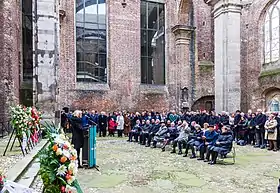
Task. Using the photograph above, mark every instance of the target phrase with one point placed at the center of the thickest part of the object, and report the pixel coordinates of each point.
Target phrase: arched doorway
(272, 100)
(204, 103)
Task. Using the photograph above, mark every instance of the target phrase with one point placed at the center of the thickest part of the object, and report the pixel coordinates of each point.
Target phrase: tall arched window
(271, 33)
(152, 42)
(91, 41)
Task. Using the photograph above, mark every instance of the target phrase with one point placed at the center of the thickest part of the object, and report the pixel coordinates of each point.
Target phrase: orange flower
(70, 172)
(63, 159)
(55, 147)
(73, 158)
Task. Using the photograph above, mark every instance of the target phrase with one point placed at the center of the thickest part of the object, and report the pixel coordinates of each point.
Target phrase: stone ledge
(205, 63)
(15, 173)
(268, 73)
(157, 89)
(90, 86)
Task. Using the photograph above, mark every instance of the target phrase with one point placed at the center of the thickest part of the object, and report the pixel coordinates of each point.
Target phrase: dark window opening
(152, 43)
(26, 90)
(91, 45)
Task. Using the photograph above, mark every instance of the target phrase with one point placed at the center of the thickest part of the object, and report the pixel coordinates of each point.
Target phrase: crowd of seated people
(192, 130)
(207, 140)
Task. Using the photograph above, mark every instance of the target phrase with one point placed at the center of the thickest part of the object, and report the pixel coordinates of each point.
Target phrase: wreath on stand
(59, 166)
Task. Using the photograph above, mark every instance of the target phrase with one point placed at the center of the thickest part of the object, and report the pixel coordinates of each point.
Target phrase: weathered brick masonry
(124, 89)
(10, 54)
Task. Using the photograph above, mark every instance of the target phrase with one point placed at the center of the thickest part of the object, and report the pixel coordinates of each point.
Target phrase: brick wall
(10, 54)
(124, 90)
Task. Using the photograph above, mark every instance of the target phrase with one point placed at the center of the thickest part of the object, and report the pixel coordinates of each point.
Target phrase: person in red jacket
(111, 127)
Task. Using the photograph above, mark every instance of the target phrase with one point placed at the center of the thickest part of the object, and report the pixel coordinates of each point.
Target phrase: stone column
(227, 54)
(183, 70)
(46, 55)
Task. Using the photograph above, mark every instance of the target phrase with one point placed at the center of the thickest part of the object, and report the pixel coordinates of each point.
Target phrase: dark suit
(102, 123)
(260, 132)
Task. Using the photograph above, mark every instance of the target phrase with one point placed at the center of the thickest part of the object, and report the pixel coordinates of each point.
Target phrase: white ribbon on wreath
(12, 187)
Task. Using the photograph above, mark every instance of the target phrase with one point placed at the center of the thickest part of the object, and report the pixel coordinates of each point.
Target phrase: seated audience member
(193, 123)
(182, 138)
(270, 127)
(222, 145)
(160, 135)
(135, 132)
(209, 138)
(145, 132)
(153, 131)
(205, 127)
(171, 135)
(195, 140)
(111, 127)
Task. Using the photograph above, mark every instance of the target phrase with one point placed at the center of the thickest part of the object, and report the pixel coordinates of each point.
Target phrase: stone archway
(272, 99)
(185, 12)
(204, 103)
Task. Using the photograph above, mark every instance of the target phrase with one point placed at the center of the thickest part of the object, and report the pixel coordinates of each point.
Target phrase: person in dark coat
(127, 125)
(252, 128)
(242, 130)
(102, 123)
(153, 131)
(260, 121)
(213, 119)
(222, 145)
(224, 119)
(146, 129)
(172, 134)
(194, 140)
(209, 138)
(77, 133)
(135, 132)
(237, 119)
(203, 118)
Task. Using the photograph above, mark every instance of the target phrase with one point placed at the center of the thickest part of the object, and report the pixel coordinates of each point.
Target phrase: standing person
(252, 128)
(237, 118)
(111, 126)
(77, 136)
(271, 132)
(120, 126)
(260, 121)
(127, 125)
(102, 123)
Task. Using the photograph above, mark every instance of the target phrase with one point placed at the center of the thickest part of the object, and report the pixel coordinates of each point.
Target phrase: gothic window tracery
(272, 33)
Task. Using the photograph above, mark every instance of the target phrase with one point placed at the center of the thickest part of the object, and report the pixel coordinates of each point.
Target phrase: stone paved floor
(11, 157)
(131, 168)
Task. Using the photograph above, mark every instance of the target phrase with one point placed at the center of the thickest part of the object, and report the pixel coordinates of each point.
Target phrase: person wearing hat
(209, 138)
(222, 145)
(153, 131)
